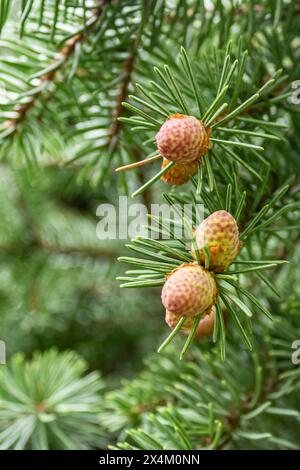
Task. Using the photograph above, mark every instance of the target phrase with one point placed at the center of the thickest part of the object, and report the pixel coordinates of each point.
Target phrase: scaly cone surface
(182, 139)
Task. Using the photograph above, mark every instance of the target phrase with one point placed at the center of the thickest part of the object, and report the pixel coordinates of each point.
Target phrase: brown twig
(234, 418)
(39, 244)
(48, 77)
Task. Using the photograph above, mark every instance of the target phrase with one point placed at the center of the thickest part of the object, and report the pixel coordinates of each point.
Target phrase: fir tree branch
(49, 74)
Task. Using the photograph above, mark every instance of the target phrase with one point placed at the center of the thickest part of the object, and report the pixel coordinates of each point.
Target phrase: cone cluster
(191, 289)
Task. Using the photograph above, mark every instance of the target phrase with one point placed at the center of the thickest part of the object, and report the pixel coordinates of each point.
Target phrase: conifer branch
(233, 419)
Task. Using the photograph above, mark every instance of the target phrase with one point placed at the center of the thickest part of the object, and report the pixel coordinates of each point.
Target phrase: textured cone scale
(206, 324)
(220, 233)
(182, 139)
(173, 318)
(189, 290)
(205, 327)
(179, 173)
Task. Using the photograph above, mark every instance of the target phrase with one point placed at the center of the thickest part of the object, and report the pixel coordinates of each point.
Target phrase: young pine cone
(205, 327)
(179, 173)
(220, 233)
(189, 290)
(182, 139)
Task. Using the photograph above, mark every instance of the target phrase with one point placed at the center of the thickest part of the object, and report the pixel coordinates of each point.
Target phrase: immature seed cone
(173, 318)
(206, 324)
(205, 327)
(220, 233)
(182, 139)
(179, 173)
(189, 290)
